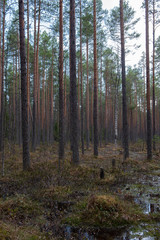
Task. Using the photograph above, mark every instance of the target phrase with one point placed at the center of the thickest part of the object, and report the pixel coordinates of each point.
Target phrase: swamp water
(146, 193)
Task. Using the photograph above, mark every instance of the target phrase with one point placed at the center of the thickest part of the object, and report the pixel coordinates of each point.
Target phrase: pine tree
(73, 88)
(25, 126)
(124, 99)
(61, 91)
(95, 108)
(149, 134)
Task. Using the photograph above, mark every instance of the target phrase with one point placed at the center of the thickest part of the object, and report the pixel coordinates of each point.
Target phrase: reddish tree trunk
(124, 99)
(149, 132)
(87, 101)
(95, 109)
(25, 129)
(73, 88)
(61, 91)
(81, 74)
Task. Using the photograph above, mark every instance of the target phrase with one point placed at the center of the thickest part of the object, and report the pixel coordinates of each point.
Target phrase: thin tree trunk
(149, 132)
(61, 84)
(25, 127)
(43, 105)
(100, 112)
(124, 98)
(2, 96)
(73, 88)
(65, 105)
(35, 86)
(81, 74)
(154, 120)
(136, 114)
(19, 93)
(95, 109)
(87, 101)
(91, 114)
(38, 77)
(47, 113)
(116, 116)
(0, 54)
(79, 115)
(106, 110)
(28, 77)
(51, 110)
(16, 100)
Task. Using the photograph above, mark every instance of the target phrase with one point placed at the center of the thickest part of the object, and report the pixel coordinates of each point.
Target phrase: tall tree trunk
(87, 101)
(95, 109)
(2, 96)
(61, 93)
(124, 99)
(136, 113)
(149, 132)
(116, 114)
(106, 110)
(81, 74)
(35, 86)
(47, 112)
(73, 88)
(38, 77)
(0, 55)
(25, 127)
(65, 104)
(43, 105)
(19, 95)
(51, 109)
(79, 115)
(13, 101)
(154, 120)
(144, 103)
(28, 77)
(100, 110)
(91, 113)
(16, 99)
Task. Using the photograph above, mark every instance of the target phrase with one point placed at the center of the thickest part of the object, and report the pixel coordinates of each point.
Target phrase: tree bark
(124, 98)
(149, 132)
(28, 77)
(35, 86)
(95, 108)
(154, 119)
(51, 109)
(25, 126)
(106, 100)
(61, 84)
(38, 77)
(2, 96)
(87, 101)
(73, 88)
(81, 74)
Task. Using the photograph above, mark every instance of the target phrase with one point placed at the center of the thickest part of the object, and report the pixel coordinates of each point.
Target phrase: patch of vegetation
(9, 232)
(104, 211)
(19, 208)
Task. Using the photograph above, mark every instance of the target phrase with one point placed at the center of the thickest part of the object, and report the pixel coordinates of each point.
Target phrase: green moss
(19, 207)
(104, 211)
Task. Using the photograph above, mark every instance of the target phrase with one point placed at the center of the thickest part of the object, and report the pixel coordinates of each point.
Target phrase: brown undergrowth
(34, 204)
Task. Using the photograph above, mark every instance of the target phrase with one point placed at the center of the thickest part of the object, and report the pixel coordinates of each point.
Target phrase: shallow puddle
(145, 192)
(79, 234)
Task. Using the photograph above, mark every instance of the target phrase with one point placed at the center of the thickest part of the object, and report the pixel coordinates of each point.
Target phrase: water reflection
(147, 197)
(79, 234)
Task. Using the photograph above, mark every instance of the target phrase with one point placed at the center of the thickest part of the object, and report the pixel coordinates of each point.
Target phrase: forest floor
(74, 203)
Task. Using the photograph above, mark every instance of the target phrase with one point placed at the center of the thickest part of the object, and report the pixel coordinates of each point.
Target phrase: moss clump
(104, 211)
(59, 193)
(19, 208)
(10, 232)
